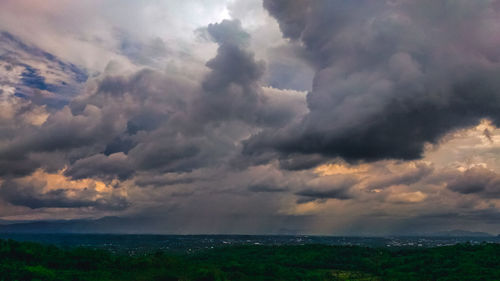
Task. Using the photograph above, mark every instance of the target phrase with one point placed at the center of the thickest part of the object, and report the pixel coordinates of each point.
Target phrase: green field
(31, 261)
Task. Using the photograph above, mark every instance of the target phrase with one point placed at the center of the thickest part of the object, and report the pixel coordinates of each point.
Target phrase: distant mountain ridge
(102, 225)
(460, 233)
(120, 225)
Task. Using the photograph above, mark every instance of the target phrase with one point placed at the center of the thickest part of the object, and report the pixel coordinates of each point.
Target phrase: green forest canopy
(32, 261)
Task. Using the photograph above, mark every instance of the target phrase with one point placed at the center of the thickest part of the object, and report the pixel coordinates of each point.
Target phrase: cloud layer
(317, 117)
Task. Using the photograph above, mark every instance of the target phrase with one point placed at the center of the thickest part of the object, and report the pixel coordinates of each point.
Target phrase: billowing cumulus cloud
(390, 76)
(231, 89)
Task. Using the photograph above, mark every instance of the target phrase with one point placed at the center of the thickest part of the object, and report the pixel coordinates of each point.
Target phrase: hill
(461, 233)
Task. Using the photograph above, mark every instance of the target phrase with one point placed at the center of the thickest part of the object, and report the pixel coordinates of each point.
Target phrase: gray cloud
(308, 195)
(477, 180)
(411, 176)
(153, 52)
(31, 195)
(228, 32)
(288, 69)
(266, 188)
(165, 179)
(291, 17)
(384, 84)
(333, 187)
(296, 162)
(231, 89)
(102, 166)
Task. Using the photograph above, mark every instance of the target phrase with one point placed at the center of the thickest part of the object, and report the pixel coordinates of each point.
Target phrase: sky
(327, 117)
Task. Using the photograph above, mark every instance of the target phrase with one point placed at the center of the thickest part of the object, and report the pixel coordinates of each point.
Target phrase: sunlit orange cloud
(407, 197)
(306, 208)
(55, 181)
(340, 169)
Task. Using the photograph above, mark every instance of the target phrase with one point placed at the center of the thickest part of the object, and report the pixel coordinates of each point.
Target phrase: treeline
(32, 261)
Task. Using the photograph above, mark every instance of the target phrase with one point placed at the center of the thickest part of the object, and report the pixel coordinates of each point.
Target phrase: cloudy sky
(257, 117)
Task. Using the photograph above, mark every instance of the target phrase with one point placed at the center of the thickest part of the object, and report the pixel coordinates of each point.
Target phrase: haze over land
(242, 116)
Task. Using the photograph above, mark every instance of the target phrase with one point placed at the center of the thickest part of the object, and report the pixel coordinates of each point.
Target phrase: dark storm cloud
(332, 187)
(30, 195)
(157, 127)
(66, 131)
(168, 156)
(291, 16)
(477, 180)
(410, 176)
(21, 166)
(122, 114)
(156, 180)
(286, 70)
(296, 162)
(314, 194)
(231, 89)
(63, 132)
(102, 166)
(266, 188)
(390, 76)
(228, 32)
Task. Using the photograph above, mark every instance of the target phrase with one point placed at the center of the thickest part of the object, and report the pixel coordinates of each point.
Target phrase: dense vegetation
(31, 261)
